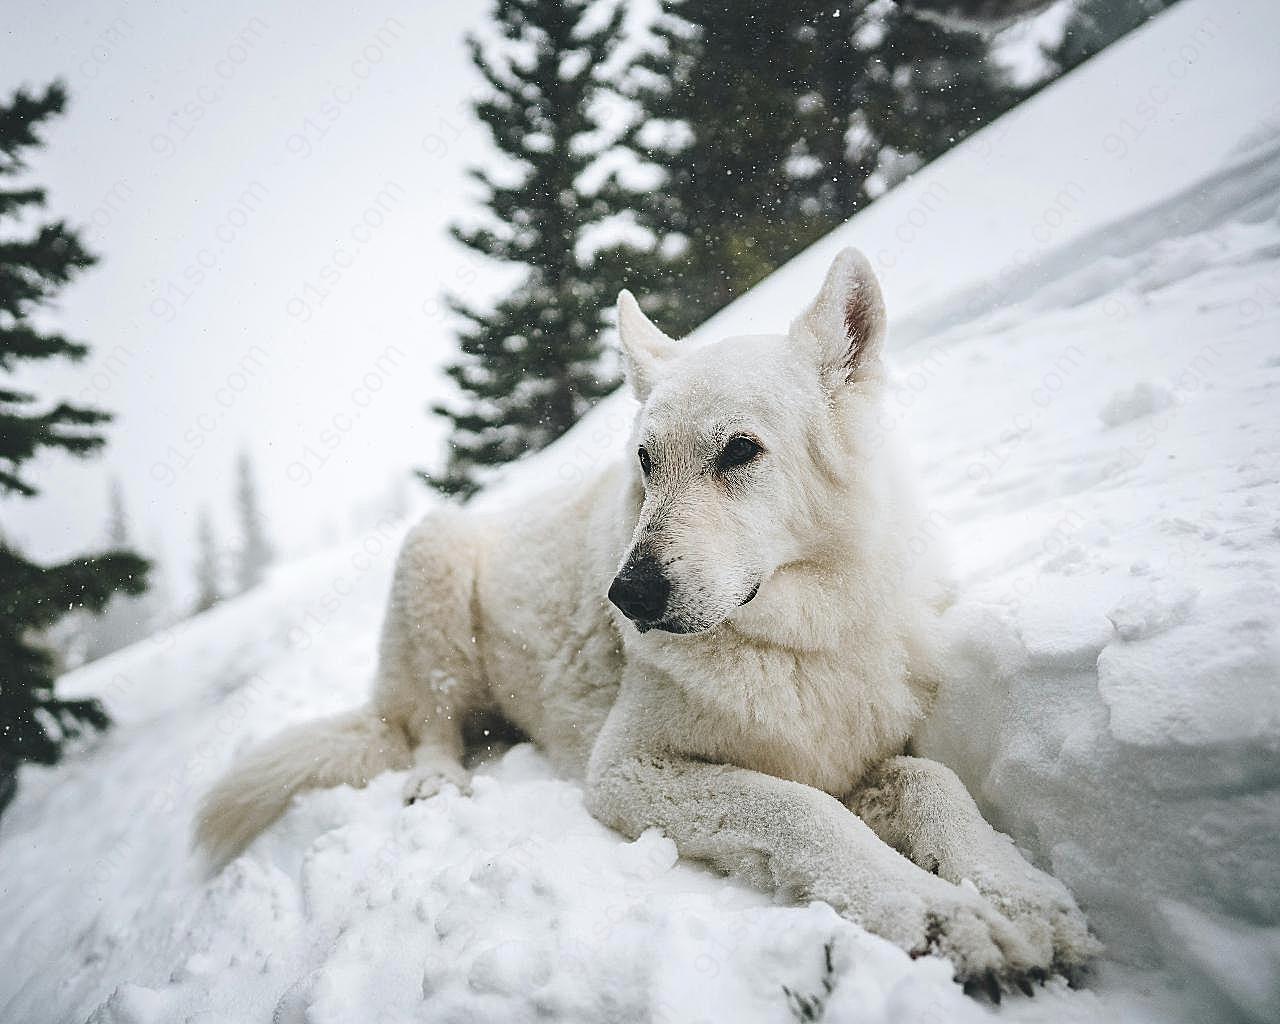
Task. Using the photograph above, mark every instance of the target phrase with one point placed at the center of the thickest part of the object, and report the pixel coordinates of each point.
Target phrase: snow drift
(1097, 430)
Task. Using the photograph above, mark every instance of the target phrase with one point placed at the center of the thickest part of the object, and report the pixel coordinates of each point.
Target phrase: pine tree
(783, 121)
(127, 618)
(978, 16)
(1096, 24)
(892, 88)
(830, 185)
(921, 88)
(722, 86)
(254, 554)
(532, 365)
(37, 258)
(159, 590)
(208, 565)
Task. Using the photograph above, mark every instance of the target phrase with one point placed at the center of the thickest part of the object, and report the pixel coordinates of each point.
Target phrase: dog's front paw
(424, 783)
(1044, 911)
(931, 916)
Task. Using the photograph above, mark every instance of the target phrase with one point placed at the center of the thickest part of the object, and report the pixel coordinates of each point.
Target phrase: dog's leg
(429, 673)
(437, 762)
(922, 809)
(798, 841)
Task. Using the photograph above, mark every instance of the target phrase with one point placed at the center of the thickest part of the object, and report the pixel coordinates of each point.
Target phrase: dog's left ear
(644, 347)
(847, 320)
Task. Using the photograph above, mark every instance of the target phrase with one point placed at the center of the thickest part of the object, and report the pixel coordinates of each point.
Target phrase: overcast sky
(268, 187)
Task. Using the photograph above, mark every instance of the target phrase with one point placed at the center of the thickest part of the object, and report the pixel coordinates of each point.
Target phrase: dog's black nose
(641, 591)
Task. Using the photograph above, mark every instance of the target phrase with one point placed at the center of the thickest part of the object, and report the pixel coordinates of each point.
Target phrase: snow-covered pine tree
(127, 618)
(1096, 24)
(985, 16)
(159, 590)
(254, 554)
(836, 154)
(532, 365)
(37, 258)
(118, 532)
(782, 120)
(208, 565)
(919, 88)
(720, 87)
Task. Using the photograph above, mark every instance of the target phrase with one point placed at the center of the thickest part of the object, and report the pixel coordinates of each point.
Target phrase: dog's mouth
(667, 626)
(682, 627)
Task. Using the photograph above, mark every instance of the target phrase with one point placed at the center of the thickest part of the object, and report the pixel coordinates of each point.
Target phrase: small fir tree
(127, 618)
(254, 555)
(208, 565)
(37, 258)
(531, 366)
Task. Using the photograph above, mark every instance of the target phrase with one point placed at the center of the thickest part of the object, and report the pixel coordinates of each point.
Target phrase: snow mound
(1113, 697)
(1147, 612)
(1143, 399)
(1211, 681)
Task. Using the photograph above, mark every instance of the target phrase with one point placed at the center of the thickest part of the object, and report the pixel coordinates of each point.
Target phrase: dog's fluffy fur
(759, 714)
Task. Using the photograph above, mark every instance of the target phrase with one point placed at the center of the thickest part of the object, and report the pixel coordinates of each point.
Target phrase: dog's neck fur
(816, 696)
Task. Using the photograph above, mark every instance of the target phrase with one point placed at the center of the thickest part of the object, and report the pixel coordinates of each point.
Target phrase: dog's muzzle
(641, 592)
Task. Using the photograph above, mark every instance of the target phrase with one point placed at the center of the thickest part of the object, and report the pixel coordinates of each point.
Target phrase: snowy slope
(1102, 453)
(1115, 696)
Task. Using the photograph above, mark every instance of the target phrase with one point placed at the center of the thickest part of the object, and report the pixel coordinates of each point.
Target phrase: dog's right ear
(644, 347)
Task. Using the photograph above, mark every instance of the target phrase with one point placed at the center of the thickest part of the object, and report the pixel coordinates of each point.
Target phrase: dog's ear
(644, 347)
(847, 320)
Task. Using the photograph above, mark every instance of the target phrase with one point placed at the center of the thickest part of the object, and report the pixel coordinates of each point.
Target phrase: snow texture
(1101, 448)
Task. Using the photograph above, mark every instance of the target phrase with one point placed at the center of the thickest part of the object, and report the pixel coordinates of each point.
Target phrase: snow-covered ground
(1102, 453)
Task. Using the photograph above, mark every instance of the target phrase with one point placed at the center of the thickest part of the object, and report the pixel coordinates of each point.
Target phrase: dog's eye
(646, 464)
(738, 451)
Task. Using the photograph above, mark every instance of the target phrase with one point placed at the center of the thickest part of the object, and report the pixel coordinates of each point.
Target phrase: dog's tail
(347, 749)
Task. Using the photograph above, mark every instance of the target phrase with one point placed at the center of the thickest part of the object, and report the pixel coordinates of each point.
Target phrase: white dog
(724, 636)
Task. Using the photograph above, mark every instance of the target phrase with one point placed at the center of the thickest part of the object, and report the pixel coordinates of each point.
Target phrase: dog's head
(742, 450)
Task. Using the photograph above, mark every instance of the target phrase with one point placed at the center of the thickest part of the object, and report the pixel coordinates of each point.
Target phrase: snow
(1117, 702)
(1101, 455)
(1143, 399)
